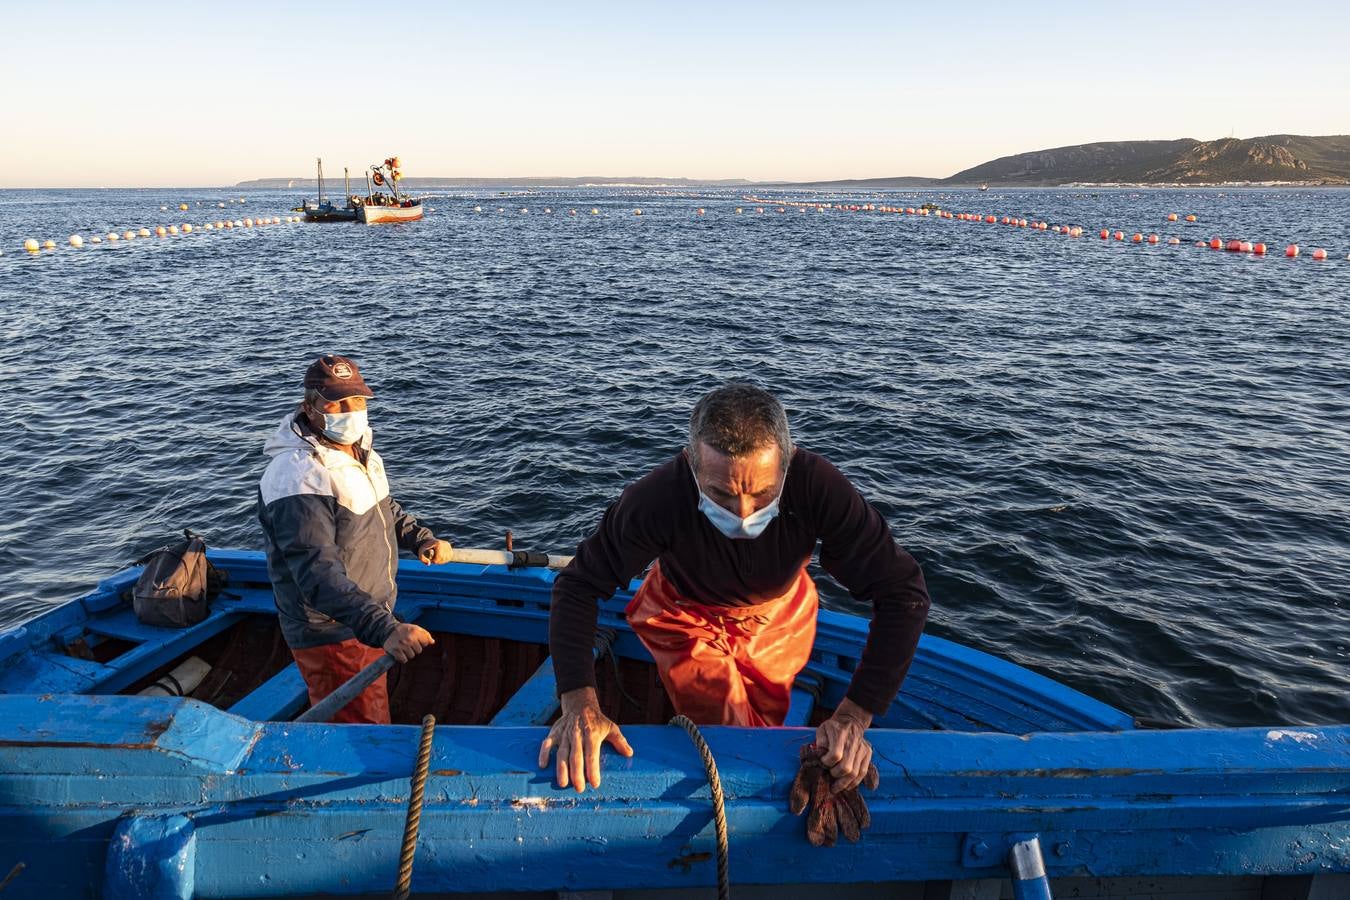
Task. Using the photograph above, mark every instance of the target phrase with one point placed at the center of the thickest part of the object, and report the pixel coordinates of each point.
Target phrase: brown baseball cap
(336, 378)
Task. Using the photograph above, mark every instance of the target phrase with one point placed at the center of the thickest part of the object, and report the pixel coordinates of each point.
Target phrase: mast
(320, 162)
(346, 182)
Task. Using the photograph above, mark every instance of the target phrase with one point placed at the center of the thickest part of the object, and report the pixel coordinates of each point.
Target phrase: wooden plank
(535, 702)
(277, 699)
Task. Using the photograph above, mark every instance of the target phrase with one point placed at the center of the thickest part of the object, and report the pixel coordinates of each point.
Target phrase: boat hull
(102, 793)
(379, 215)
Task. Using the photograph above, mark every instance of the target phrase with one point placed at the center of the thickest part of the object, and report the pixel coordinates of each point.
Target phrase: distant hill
(1281, 157)
(902, 181)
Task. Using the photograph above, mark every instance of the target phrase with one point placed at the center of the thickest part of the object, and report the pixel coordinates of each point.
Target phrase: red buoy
(1153, 239)
(1233, 246)
(1215, 243)
(1138, 238)
(1291, 251)
(1120, 235)
(1319, 254)
(1105, 234)
(1259, 249)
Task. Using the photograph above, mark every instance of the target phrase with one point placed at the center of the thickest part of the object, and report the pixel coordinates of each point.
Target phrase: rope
(604, 646)
(414, 821)
(718, 801)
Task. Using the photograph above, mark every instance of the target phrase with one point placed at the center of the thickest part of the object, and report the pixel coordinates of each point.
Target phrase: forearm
(892, 640)
(571, 637)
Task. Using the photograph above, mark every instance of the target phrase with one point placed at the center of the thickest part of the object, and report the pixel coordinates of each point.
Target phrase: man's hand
(434, 552)
(577, 736)
(847, 753)
(407, 641)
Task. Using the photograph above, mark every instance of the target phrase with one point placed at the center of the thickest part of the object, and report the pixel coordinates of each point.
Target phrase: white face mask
(345, 428)
(732, 525)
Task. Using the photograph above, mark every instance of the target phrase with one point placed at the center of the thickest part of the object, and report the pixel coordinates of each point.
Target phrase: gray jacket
(332, 534)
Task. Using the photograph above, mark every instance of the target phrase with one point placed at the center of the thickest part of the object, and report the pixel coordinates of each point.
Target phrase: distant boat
(325, 210)
(395, 206)
(984, 187)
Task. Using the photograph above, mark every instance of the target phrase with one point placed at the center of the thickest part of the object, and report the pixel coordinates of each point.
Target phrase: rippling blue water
(1127, 467)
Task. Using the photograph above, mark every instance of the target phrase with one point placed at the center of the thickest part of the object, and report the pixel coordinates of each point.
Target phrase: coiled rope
(414, 820)
(718, 801)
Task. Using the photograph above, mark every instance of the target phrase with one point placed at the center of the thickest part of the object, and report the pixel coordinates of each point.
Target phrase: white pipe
(181, 681)
(499, 558)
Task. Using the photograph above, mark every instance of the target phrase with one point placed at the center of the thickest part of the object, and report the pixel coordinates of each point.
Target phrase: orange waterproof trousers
(327, 667)
(726, 665)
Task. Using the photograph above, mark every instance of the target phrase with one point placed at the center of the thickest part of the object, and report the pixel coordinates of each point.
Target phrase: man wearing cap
(333, 534)
(727, 609)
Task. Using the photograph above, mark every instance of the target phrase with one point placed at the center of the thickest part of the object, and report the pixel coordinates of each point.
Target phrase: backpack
(178, 584)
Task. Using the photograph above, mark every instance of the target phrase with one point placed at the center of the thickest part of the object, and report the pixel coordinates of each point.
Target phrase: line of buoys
(77, 241)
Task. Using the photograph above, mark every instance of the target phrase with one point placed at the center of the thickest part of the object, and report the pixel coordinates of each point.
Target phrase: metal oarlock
(1028, 871)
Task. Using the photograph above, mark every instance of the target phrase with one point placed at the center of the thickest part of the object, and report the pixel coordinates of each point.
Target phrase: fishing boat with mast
(325, 210)
(394, 206)
(145, 761)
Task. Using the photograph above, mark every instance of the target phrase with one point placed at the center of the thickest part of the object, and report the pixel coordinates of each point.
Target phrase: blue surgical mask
(732, 525)
(345, 428)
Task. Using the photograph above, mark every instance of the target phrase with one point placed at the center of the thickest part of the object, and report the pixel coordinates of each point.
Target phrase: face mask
(732, 525)
(345, 428)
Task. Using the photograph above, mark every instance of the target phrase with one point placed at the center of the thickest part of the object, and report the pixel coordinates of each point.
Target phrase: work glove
(832, 814)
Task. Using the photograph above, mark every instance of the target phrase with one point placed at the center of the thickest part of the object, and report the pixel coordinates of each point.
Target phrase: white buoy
(173, 229)
(187, 229)
(248, 223)
(182, 681)
(221, 205)
(31, 245)
(478, 209)
(49, 244)
(208, 227)
(113, 236)
(144, 232)
(76, 241)
(160, 231)
(163, 209)
(129, 235)
(276, 220)
(95, 239)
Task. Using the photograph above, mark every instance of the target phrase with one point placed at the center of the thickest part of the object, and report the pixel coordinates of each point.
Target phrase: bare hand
(577, 736)
(434, 552)
(407, 641)
(848, 755)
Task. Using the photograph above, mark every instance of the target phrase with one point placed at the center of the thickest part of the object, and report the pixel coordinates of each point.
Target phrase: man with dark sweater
(728, 611)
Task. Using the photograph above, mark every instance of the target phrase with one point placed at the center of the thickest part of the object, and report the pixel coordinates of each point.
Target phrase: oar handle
(513, 558)
(334, 703)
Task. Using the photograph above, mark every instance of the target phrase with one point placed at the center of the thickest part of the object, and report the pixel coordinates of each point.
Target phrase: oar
(334, 703)
(513, 558)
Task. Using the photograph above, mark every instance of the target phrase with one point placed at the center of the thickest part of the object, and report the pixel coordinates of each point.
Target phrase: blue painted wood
(803, 700)
(151, 858)
(265, 798)
(278, 698)
(534, 703)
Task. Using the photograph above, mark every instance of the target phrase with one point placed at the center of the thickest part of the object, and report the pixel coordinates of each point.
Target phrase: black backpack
(178, 584)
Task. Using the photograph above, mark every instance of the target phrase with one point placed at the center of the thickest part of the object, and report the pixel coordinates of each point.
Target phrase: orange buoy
(1259, 249)
(1233, 246)
(1319, 254)
(1105, 234)
(1291, 251)
(1138, 238)
(1191, 218)
(1153, 239)
(1120, 235)
(1171, 217)
(1215, 243)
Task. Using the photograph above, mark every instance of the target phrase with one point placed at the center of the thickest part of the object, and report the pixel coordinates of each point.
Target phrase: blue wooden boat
(105, 792)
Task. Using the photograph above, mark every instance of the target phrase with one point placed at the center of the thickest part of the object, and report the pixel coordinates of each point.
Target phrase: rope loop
(718, 801)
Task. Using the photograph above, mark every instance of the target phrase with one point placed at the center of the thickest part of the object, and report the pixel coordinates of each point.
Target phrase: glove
(832, 813)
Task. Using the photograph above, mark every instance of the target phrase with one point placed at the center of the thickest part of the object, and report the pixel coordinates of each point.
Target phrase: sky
(99, 94)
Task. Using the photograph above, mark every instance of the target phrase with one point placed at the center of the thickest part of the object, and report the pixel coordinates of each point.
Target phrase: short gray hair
(738, 419)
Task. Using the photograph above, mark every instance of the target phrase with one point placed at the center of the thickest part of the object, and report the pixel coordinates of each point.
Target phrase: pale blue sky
(194, 94)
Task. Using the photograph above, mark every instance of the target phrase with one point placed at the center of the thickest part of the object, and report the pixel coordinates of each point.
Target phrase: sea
(1123, 465)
